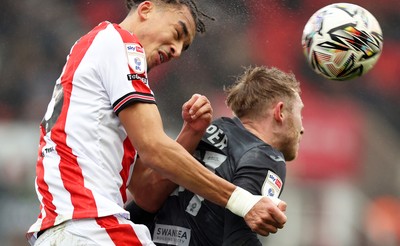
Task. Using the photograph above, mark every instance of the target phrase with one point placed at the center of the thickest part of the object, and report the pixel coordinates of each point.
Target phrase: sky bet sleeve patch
(272, 185)
(136, 58)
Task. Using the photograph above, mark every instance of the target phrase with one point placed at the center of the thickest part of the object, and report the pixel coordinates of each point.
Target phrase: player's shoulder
(235, 130)
(264, 151)
(273, 154)
(126, 36)
(112, 31)
(235, 136)
(262, 157)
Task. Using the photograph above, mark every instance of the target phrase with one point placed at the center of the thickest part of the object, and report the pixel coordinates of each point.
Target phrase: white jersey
(85, 157)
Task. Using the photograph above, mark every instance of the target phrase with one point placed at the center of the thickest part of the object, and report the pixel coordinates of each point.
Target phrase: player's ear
(278, 112)
(144, 9)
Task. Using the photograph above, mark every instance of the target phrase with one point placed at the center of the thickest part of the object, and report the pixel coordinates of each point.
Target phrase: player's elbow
(148, 204)
(152, 197)
(149, 189)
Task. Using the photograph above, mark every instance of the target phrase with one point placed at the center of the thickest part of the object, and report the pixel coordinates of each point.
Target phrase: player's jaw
(290, 143)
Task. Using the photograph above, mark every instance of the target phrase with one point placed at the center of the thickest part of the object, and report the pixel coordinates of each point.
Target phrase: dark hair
(191, 4)
(260, 86)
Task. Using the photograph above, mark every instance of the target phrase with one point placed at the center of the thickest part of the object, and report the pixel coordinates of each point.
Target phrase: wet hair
(259, 87)
(197, 14)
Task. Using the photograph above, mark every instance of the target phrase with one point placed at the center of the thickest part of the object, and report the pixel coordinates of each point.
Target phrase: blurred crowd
(352, 128)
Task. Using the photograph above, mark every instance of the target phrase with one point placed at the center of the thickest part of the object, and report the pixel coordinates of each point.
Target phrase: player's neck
(259, 128)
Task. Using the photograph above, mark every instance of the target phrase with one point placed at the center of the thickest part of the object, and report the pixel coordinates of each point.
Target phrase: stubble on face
(289, 145)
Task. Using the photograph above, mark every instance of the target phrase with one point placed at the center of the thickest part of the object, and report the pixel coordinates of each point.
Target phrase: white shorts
(110, 230)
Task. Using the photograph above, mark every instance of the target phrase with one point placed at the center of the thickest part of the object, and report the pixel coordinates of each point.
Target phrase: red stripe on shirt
(140, 86)
(132, 97)
(127, 161)
(47, 199)
(71, 173)
(120, 234)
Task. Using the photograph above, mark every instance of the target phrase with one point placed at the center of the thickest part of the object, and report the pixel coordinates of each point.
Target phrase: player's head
(264, 94)
(165, 28)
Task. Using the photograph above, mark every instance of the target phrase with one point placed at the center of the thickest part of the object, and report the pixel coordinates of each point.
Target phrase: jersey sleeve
(123, 68)
(260, 171)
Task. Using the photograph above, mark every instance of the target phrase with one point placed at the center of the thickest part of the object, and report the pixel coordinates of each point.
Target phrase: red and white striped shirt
(85, 157)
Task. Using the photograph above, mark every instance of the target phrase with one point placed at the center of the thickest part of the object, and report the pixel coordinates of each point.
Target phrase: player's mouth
(163, 57)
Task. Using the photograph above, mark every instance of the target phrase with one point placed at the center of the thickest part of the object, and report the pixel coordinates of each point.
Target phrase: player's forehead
(298, 101)
(185, 21)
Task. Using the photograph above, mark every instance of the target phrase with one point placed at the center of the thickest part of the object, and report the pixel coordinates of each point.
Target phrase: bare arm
(149, 188)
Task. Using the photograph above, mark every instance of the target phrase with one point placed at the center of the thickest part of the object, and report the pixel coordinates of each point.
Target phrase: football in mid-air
(342, 41)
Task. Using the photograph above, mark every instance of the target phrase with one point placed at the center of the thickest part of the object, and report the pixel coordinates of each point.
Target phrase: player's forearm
(180, 167)
(148, 187)
(189, 139)
(169, 158)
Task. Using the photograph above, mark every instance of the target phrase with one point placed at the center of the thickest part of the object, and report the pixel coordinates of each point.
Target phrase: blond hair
(258, 87)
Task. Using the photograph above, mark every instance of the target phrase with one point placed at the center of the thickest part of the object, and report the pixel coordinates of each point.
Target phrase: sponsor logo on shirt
(134, 48)
(171, 235)
(213, 160)
(48, 150)
(137, 77)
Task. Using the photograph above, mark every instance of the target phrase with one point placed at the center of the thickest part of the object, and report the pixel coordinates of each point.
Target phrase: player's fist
(278, 202)
(197, 112)
(266, 217)
(282, 206)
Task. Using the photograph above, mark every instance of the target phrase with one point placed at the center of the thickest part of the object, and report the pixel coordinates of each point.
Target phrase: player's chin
(291, 153)
(290, 157)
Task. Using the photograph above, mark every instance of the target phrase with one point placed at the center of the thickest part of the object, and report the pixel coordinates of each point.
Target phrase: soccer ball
(342, 41)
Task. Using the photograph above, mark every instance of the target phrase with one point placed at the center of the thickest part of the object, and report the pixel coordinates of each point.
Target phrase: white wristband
(241, 201)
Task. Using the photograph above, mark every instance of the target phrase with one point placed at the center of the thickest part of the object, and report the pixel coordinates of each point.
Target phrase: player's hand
(282, 206)
(197, 113)
(266, 217)
(278, 202)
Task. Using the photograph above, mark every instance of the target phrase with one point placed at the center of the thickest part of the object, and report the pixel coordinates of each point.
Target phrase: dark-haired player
(103, 113)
